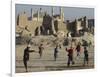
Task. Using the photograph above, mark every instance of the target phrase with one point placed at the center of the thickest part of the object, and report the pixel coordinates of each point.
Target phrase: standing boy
(85, 55)
(56, 52)
(70, 56)
(26, 56)
(41, 50)
(78, 49)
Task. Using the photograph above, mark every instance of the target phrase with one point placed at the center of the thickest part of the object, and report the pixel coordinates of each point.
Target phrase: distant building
(40, 23)
(22, 19)
(79, 26)
(91, 24)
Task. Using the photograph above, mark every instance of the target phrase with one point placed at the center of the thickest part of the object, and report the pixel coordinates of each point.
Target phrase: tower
(53, 29)
(52, 11)
(18, 19)
(61, 14)
(38, 15)
(23, 19)
(32, 14)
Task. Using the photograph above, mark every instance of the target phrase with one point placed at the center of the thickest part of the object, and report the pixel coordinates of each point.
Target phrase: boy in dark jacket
(41, 50)
(56, 52)
(78, 49)
(85, 55)
(26, 56)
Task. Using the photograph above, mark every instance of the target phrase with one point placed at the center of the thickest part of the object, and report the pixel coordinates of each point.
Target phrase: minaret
(53, 29)
(61, 14)
(38, 15)
(18, 19)
(40, 12)
(32, 13)
(38, 18)
(52, 12)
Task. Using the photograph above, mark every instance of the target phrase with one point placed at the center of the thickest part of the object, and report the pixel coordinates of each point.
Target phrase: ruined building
(41, 23)
(79, 26)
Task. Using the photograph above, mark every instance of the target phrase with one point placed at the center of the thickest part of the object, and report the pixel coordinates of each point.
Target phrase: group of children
(78, 49)
(56, 50)
(70, 53)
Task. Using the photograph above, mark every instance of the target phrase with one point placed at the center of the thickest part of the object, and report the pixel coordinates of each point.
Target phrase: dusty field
(47, 63)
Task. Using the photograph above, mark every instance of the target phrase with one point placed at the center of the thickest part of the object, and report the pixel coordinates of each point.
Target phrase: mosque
(41, 23)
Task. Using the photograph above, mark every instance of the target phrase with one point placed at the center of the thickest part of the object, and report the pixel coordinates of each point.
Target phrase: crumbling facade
(41, 23)
(78, 26)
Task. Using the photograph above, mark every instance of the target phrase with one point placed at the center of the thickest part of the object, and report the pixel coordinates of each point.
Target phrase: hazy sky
(70, 13)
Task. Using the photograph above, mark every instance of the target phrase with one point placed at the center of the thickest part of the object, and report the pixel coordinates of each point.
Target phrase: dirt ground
(47, 63)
